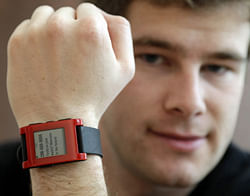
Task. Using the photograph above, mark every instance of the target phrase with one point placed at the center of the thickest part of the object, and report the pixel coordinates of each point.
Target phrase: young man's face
(173, 122)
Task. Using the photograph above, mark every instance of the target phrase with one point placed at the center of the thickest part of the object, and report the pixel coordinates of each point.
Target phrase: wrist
(57, 142)
(89, 119)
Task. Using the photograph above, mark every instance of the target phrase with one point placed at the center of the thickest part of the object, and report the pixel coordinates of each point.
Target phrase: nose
(185, 96)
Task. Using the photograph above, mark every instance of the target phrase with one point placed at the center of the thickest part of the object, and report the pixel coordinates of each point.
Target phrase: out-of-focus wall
(13, 12)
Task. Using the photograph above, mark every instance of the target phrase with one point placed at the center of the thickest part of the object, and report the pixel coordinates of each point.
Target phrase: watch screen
(50, 143)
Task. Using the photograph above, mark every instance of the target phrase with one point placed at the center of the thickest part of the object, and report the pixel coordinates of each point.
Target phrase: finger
(92, 15)
(87, 9)
(120, 34)
(41, 14)
(93, 25)
(21, 27)
(118, 30)
(65, 13)
(16, 36)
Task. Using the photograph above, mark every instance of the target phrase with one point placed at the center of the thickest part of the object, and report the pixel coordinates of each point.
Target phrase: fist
(68, 64)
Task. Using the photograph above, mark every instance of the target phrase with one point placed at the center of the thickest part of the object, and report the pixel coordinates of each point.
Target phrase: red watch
(54, 142)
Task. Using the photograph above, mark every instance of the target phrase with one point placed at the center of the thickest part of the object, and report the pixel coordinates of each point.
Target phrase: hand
(68, 64)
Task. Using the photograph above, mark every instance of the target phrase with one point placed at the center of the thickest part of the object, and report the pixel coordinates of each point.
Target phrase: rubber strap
(24, 149)
(89, 140)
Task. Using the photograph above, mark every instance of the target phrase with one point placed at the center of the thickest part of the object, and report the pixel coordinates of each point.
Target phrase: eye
(217, 69)
(154, 59)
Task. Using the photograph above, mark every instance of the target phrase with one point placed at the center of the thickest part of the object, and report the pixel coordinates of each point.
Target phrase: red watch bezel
(72, 152)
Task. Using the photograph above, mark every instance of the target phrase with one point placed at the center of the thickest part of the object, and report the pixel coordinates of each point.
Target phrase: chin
(183, 181)
(181, 174)
(180, 181)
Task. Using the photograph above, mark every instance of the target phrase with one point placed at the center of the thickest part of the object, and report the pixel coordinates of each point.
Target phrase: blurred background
(13, 12)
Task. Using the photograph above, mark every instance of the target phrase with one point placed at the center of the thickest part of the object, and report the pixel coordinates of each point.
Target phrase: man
(169, 131)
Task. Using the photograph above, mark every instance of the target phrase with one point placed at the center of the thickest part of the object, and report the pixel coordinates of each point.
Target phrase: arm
(68, 64)
(78, 178)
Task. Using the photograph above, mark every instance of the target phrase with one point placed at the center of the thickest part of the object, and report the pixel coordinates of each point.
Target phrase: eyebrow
(166, 45)
(153, 42)
(228, 55)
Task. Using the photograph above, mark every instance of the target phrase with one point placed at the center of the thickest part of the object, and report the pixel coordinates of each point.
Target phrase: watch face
(50, 143)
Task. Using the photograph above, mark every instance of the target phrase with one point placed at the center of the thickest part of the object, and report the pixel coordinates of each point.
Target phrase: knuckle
(86, 5)
(120, 20)
(33, 33)
(33, 29)
(90, 6)
(68, 8)
(44, 8)
(55, 27)
(122, 25)
(64, 10)
(47, 7)
(128, 69)
(90, 29)
(14, 42)
(17, 37)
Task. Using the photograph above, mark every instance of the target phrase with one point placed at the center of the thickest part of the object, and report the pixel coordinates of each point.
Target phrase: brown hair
(119, 7)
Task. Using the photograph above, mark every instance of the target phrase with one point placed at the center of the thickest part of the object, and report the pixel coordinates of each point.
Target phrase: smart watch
(55, 142)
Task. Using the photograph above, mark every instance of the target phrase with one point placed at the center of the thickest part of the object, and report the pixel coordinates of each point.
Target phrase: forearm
(78, 178)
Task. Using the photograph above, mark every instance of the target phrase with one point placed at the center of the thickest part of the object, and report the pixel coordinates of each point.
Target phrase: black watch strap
(89, 140)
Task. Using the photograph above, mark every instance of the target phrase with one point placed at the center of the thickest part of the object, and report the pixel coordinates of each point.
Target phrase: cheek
(223, 109)
(136, 98)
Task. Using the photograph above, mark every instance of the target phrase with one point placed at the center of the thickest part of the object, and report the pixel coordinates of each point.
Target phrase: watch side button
(65, 119)
(35, 123)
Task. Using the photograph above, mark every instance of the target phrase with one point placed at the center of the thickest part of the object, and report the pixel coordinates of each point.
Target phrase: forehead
(229, 15)
(224, 26)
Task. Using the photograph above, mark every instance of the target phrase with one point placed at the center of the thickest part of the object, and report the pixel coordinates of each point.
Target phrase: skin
(191, 86)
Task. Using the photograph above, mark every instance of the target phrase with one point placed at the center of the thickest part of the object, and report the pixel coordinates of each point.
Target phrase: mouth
(185, 143)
